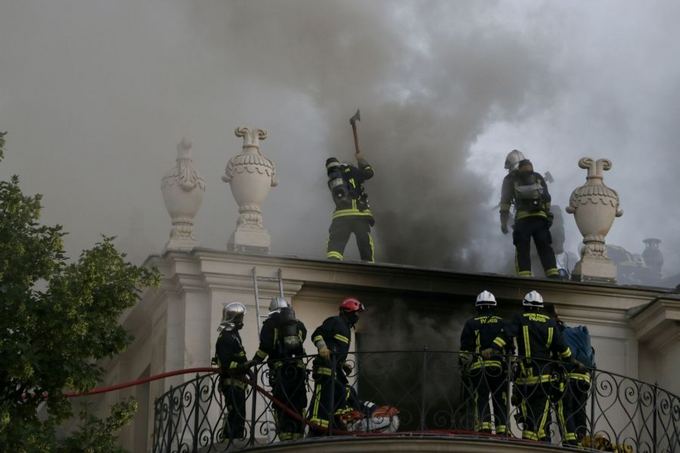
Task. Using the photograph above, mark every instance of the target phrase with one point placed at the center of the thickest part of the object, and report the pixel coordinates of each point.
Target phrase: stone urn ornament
(594, 206)
(250, 175)
(182, 189)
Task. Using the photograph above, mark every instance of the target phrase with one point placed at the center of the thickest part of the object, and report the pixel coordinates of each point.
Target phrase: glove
(347, 368)
(550, 219)
(579, 366)
(487, 353)
(324, 353)
(504, 222)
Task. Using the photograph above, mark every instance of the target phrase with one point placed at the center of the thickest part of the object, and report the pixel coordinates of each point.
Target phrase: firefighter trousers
(535, 410)
(489, 380)
(235, 403)
(288, 381)
(572, 410)
(537, 228)
(340, 231)
(330, 397)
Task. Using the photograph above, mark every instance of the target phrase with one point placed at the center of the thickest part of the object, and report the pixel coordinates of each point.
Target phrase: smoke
(95, 96)
(419, 350)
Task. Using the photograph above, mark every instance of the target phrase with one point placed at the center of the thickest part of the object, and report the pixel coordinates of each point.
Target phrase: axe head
(548, 177)
(355, 118)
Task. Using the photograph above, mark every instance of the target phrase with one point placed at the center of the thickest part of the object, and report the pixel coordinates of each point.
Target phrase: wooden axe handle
(356, 139)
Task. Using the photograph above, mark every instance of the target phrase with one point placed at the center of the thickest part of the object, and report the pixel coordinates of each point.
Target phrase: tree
(57, 319)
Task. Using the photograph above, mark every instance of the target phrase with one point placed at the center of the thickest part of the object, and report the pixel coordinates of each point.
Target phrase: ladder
(260, 318)
(256, 279)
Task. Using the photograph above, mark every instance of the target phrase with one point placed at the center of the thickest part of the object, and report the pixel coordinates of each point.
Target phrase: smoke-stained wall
(408, 356)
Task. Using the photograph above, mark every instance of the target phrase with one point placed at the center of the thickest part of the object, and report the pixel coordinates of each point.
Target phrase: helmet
(232, 316)
(332, 162)
(277, 304)
(351, 305)
(533, 299)
(512, 160)
(485, 299)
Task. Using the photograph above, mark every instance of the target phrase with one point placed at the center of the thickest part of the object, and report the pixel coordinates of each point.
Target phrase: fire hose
(283, 407)
(167, 374)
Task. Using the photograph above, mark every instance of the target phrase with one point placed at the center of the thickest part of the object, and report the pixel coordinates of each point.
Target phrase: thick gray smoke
(96, 95)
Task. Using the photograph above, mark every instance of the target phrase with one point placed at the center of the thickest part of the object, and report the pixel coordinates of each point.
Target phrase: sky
(97, 94)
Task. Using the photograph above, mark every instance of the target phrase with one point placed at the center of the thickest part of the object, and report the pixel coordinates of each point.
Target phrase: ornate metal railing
(436, 393)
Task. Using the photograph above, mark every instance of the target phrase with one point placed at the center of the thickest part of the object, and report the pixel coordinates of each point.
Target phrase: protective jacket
(230, 354)
(356, 204)
(528, 193)
(478, 334)
(538, 340)
(281, 337)
(336, 332)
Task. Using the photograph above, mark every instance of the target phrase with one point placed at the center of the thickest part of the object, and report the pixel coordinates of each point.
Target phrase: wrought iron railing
(437, 394)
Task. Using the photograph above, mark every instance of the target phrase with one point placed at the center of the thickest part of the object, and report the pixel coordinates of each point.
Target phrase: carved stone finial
(182, 189)
(594, 206)
(250, 175)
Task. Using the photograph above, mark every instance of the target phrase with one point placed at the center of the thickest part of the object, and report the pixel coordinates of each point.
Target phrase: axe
(353, 122)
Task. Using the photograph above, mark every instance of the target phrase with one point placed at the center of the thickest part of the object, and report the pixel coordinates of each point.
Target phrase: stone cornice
(216, 270)
(397, 277)
(658, 324)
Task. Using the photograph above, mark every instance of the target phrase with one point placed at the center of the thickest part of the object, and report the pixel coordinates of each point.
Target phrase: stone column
(594, 206)
(250, 175)
(182, 189)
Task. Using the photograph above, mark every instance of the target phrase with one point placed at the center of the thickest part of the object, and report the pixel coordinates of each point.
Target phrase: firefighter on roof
(352, 212)
(528, 192)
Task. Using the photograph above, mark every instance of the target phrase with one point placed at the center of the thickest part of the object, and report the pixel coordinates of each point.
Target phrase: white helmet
(485, 299)
(533, 299)
(277, 304)
(232, 316)
(513, 159)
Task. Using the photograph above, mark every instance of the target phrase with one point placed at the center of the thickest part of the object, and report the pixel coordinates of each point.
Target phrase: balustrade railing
(436, 393)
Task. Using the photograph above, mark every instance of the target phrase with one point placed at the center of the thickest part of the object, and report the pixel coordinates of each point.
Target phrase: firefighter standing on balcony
(527, 190)
(281, 338)
(352, 212)
(538, 339)
(332, 339)
(571, 408)
(231, 358)
(486, 376)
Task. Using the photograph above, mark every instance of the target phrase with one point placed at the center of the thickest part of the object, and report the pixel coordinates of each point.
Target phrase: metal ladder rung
(261, 317)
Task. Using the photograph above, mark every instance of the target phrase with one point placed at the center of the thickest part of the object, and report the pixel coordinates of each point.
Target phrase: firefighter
(571, 408)
(281, 339)
(528, 192)
(486, 376)
(332, 393)
(352, 212)
(538, 339)
(231, 358)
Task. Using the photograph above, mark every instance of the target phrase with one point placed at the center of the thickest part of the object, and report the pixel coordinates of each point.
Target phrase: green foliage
(98, 436)
(57, 318)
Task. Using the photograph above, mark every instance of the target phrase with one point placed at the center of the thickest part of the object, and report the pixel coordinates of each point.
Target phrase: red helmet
(352, 305)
